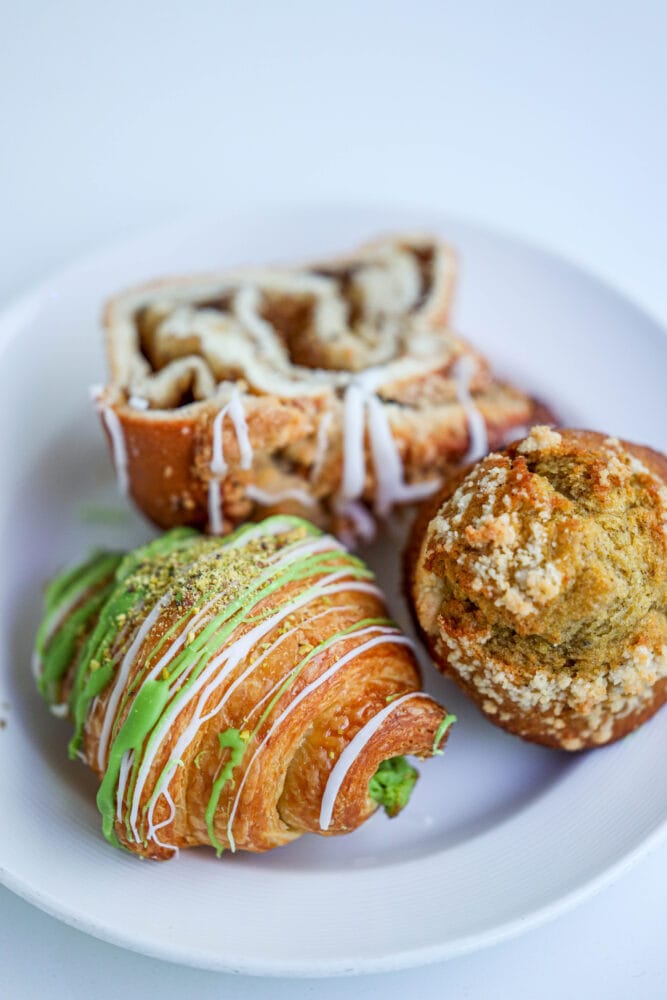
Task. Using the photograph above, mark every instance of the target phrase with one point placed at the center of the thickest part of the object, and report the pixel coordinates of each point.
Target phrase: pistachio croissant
(234, 691)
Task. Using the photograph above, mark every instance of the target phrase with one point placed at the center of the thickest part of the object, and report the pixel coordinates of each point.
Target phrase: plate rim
(319, 969)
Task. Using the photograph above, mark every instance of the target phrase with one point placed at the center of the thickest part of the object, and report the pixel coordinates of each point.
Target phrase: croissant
(539, 581)
(234, 692)
(335, 391)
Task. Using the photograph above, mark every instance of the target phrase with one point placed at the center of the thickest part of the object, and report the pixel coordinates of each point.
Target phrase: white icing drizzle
(267, 498)
(125, 766)
(118, 450)
(463, 372)
(321, 445)
(390, 486)
(237, 415)
(362, 408)
(350, 754)
(211, 678)
(218, 464)
(214, 505)
(362, 521)
(181, 638)
(275, 526)
(396, 638)
(386, 460)
(122, 674)
(166, 822)
(339, 608)
(239, 680)
(248, 671)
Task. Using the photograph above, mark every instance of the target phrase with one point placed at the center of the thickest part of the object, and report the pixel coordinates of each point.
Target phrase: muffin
(538, 578)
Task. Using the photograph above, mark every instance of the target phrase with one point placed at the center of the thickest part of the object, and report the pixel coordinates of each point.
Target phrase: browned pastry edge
(168, 459)
(516, 723)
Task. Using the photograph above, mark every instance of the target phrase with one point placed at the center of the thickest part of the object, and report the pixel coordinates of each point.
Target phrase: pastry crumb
(541, 438)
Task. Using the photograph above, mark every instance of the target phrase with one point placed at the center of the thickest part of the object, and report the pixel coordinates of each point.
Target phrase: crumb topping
(509, 563)
(541, 438)
(558, 695)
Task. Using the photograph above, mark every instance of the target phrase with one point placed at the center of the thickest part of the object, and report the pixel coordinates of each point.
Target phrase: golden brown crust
(538, 581)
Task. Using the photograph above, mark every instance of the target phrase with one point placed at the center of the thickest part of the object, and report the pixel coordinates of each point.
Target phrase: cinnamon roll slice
(334, 390)
(235, 692)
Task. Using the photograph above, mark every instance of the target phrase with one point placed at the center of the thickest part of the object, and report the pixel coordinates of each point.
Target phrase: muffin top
(552, 553)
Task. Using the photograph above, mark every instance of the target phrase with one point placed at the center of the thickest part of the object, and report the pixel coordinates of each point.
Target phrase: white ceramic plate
(499, 835)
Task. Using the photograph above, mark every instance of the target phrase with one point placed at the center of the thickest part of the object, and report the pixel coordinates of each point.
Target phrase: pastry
(236, 691)
(334, 391)
(539, 581)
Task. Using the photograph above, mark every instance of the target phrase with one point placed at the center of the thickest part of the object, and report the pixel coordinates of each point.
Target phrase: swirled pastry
(539, 581)
(335, 391)
(235, 692)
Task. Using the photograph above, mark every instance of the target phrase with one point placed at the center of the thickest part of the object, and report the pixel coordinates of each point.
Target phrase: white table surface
(547, 120)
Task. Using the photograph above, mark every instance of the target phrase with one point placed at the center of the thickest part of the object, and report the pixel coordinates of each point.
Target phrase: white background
(545, 119)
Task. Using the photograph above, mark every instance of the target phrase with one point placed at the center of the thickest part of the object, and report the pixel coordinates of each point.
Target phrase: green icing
(178, 625)
(61, 650)
(127, 594)
(211, 638)
(448, 721)
(83, 590)
(392, 784)
(232, 740)
(94, 684)
(66, 582)
(144, 713)
(94, 661)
